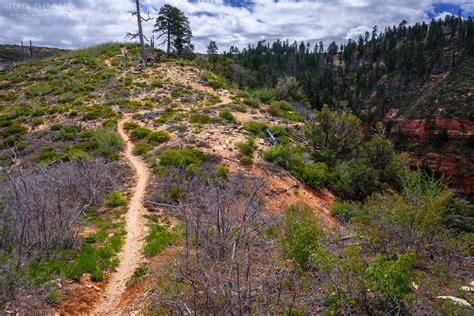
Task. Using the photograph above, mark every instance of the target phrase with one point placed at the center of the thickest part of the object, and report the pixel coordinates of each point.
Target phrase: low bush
(140, 149)
(128, 126)
(197, 118)
(265, 95)
(159, 238)
(157, 138)
(140, 133)
(346, 211)
(246, 160)
(37, 90)
(247, 148)
(109, 143)
(255, 127)
(285, 110)
(14, 129)
(115, 199)
(181, 157)
(228, 116)
(301, 234)
(252, 102)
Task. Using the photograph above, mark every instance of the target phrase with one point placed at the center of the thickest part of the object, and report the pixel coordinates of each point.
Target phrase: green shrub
(56, 127)
(391, 280)
(301, 234)
(14, 129)
(159, 137)
(284, 109)
(156, 83)
(265, 95)
(197, 118)
(159, 238)
(109, 143)
(128, 126)
(140, 149)
(252, 102)
(213, 80)
(256, 128)
(346, 211)
(48, 154)
(53, 297)
(140, 272)
(37, 121)
(175, 193)
(115, 199)
(228, 116)
(181, 157)
(247, 148)
(246, 160)
(37, 90)
(315, 175)
(140, 133)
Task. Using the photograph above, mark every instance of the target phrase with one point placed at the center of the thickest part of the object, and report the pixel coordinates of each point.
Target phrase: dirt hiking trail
(130, 255)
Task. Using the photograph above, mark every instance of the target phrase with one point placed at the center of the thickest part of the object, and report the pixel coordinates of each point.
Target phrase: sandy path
(130, 256)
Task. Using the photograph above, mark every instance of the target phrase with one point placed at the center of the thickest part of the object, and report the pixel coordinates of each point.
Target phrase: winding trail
(130, 255)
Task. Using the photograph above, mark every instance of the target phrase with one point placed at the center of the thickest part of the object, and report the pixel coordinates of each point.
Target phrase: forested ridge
(378, 71)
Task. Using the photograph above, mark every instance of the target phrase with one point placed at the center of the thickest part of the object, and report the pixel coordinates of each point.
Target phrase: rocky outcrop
(419, 130)
(458, 170)
(434, 136)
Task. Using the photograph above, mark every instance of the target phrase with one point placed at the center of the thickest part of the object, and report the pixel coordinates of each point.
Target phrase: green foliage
(53, 297)
(246, 160)
(336, 131)
(38, 90)
(181, 157)
(265, 95)
(140, 133)
(213, 80)
(109, 143)
(301, 235)
(346, 211)
(160, 237)
(315, 175)
(14, 129)
(252, 102)
(37, 121)
(115, 199)
(412, 220)
(255, 127)
(140, 149)
(247, 148)
(158, 137)
(128, 126)
(228, 116)
(173, 25)
(391, 280)
(197, 118)
(285, 110)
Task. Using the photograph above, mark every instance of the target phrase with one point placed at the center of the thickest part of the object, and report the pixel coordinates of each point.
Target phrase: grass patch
(160, 237)
(115, 199)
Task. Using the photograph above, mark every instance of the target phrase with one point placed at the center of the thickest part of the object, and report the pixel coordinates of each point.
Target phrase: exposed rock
(456, 300)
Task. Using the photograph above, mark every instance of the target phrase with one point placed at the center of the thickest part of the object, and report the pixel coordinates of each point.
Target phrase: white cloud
(87, 22)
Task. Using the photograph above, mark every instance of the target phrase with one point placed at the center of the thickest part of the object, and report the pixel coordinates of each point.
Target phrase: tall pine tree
(173, 29)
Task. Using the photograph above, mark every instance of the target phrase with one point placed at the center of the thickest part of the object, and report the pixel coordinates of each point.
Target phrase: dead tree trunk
(140, 33)
(31, 50)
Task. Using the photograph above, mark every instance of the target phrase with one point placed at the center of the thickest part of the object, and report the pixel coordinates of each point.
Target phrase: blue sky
(80, 23)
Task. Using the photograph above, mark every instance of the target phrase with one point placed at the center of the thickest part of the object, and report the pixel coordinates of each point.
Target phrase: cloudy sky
(80, 23)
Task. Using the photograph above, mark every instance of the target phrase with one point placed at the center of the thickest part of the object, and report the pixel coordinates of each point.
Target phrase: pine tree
(173, 28)
(212, 50)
